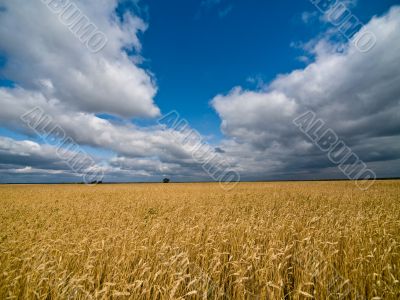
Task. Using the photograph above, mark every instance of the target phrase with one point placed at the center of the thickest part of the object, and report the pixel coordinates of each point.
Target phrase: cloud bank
(357, 94)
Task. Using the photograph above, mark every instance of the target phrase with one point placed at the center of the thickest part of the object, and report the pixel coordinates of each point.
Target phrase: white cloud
(57, 73)
(39, 48)
(133, 146)
(357, 94)
(245, 113)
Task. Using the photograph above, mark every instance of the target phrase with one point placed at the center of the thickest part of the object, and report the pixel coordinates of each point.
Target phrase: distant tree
(166, 180)
(96, 182)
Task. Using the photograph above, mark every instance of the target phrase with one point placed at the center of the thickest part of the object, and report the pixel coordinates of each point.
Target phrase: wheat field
(303, 240)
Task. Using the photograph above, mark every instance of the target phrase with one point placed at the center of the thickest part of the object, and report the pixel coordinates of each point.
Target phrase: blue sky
(195, 53)
(238, 71)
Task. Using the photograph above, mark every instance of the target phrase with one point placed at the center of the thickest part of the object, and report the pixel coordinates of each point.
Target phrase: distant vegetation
(96, 182)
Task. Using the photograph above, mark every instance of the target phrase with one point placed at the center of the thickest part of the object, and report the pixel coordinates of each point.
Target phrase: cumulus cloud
(20, 160)
(123, 138)
(274, 107)
(149, 152)
(356, 94)
(44, 55)
(72, 85)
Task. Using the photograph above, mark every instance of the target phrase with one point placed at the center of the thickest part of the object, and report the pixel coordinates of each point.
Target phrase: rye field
(301, 240)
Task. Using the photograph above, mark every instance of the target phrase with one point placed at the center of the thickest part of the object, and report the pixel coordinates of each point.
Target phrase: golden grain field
(305, 240)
